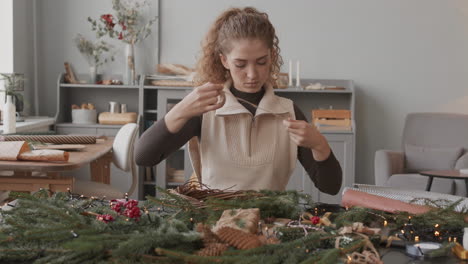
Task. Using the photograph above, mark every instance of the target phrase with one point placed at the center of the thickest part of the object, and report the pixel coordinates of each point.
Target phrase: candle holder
(422, 249)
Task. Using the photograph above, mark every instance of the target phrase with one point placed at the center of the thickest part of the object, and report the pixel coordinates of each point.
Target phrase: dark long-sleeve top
(157, 143)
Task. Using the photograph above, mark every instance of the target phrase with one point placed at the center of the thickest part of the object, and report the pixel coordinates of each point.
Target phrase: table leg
(429, 183)
(100, 169)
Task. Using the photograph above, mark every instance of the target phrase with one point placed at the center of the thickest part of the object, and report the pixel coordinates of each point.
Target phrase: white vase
(9, 116)
(92, 74)
(129, 72)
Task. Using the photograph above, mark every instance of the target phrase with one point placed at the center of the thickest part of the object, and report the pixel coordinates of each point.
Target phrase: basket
(84, 116)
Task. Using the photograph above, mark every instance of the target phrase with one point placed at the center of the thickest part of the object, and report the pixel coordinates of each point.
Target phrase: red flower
(123, 25)
(106, 218)
(315, 220)
(109, 20)
(120, 35)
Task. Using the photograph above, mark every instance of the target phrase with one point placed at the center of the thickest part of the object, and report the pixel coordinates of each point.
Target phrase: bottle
(9, 116)
(465, 238)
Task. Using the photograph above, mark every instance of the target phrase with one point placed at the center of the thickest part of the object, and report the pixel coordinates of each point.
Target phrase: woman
(249, 138)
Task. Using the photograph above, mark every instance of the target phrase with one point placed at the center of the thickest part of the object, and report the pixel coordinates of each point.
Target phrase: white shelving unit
(153, 102)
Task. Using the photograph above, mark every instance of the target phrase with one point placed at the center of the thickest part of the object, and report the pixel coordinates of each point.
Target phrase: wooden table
(98, 155)
(447, 174)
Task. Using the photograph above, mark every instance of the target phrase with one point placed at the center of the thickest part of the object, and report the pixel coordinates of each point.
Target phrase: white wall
(23, 50)
(404, 56)
(6, 45)
(6, 31)
(59, 21)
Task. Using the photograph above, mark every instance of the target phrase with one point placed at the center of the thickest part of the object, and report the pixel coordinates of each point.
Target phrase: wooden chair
(122, 157)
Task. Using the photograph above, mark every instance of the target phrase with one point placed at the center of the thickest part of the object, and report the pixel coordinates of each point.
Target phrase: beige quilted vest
(244, 152)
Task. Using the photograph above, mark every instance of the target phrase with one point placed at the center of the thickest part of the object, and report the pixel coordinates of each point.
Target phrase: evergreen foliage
(61, 228)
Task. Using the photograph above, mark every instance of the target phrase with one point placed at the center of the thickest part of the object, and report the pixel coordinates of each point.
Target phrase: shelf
(97, 86)
(296, 90)
(153, 87)
(72, 125)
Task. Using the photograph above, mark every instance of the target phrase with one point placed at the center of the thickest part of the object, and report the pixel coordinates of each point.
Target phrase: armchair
(431, 141)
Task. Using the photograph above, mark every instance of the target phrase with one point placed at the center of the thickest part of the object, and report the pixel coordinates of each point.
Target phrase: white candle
(298, 78)
(427, 246)
(465, 238)
(290, 74)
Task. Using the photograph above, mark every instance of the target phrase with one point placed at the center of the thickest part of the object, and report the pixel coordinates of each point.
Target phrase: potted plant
(13, 85)
(93, 53)
(125, 25)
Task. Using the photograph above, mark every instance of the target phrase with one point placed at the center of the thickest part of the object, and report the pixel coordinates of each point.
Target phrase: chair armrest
(387, 163)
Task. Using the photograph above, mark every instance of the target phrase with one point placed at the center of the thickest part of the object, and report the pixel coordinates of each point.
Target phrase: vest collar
(269, 104)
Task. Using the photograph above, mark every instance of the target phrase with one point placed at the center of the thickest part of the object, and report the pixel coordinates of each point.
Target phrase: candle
(385, 223)
(416, 239)
(465, 238)
(290, 83)
(298, 78)
(426, 246)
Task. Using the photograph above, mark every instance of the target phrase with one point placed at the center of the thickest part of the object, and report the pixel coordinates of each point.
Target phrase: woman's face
(249, 63)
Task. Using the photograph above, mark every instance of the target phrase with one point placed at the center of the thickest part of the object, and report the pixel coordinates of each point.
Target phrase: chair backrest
(123, 146)
(437, 130)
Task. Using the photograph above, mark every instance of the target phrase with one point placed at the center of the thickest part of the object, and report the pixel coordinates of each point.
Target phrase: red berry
(315, 220)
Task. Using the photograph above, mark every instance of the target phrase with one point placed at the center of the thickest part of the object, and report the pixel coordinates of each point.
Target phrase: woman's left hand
(307, 135)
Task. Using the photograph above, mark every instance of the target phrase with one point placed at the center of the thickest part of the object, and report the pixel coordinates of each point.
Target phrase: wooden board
(77, 159)
(174, 83)
(331, 113)
(61, 147)
(107, 118)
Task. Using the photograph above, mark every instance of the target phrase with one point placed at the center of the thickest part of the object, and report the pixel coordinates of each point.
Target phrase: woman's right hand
(202, 99)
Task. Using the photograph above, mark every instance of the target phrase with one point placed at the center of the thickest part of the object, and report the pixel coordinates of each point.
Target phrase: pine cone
(212, 249)
(208, 236)
(238, 238)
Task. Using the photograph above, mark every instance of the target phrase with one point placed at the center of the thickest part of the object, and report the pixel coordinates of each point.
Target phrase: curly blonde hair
(233, 24)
